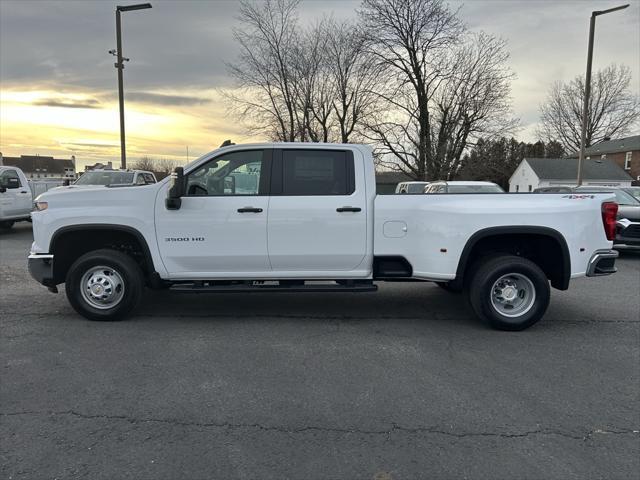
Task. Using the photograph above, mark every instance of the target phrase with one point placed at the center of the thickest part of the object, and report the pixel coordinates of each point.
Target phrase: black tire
(449, 287)
(6, 225)
(528, 276)
(129, 278)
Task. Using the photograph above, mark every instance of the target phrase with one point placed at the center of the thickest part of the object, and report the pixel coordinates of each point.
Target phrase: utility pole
(587, 87)
(120, 67)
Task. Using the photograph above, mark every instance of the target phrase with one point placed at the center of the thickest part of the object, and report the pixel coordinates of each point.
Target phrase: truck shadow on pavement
(424, 302)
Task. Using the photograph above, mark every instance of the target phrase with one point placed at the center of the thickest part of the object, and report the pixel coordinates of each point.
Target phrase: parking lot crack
(428, 430)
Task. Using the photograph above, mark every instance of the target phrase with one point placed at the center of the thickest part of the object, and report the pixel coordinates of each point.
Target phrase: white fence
(41, 186)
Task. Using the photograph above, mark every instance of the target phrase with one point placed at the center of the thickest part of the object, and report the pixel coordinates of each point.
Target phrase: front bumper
(603, 262)
(41, 268)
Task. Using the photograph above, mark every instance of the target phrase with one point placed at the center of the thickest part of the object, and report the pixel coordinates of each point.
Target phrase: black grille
(632, 231)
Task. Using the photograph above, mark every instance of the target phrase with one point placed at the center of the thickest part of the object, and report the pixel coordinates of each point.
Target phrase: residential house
(37, 167)
(533, 173)
(623, 151)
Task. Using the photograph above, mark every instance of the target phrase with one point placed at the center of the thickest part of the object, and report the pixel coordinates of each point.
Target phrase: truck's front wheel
(509, 292)
(104, 285)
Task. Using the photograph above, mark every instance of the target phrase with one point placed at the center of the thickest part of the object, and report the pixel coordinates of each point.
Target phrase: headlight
(40, 206)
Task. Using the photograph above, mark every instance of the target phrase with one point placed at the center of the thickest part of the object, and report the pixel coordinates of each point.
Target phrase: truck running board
(285, 286)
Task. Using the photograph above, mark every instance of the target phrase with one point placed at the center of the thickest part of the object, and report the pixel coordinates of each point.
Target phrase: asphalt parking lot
(399, 384)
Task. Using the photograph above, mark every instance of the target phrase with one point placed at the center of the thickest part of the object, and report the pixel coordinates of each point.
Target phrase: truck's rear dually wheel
(509, 292)
(104, 285)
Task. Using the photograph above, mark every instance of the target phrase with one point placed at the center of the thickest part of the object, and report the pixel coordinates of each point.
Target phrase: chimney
(1, 162)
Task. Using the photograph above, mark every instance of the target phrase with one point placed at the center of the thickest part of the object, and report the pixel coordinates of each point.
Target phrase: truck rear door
(317, 211)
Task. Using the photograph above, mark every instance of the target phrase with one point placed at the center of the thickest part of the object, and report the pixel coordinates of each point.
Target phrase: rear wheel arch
(71, 242)
(544, 246)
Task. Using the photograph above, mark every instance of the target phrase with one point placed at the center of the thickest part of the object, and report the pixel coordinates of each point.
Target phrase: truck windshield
(634, 191)
(105, 178)
(474, 189)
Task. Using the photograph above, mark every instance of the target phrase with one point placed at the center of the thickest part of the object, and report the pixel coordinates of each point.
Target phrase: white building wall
(524, 179)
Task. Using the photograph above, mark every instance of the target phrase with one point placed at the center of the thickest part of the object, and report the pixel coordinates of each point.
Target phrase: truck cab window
(10, 179)
(317, 172)
(236, 173)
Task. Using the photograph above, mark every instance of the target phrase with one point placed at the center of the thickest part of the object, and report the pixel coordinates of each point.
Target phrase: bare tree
(354, 74)
(613, 108)
(144, 163)
(313, 85)
(160, 167)
(300, 84)
(165, 166)
(265, 95)
(442, 87)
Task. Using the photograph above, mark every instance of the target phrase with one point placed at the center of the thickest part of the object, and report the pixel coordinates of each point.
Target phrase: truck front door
(16, 199)
(220, 229)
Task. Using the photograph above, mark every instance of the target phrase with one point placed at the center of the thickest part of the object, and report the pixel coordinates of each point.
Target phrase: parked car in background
(635, 191)
(555, 189)
(15, 197)
(463, 187)
(115, 177)
(411, 187)
(628, 221)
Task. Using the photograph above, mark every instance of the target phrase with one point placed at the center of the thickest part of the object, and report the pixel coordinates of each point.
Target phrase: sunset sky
(58, 88)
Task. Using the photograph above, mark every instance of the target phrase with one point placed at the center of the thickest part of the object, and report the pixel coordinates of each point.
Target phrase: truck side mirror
(176, 189)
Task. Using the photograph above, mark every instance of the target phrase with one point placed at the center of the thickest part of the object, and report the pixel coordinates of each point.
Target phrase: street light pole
(120, 66)
(587, 87)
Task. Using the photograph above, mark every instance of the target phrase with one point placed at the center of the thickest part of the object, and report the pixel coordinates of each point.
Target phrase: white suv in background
(16, 201)
(463, 187)
(411, 187)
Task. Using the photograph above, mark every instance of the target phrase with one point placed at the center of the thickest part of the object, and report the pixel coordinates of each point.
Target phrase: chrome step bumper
(603, 262)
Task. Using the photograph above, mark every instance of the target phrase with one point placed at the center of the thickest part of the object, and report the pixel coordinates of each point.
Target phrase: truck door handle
(249, 210)
(348, 209)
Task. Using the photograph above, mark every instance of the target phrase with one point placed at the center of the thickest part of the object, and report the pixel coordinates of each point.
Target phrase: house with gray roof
(623, 151)
(37, 167)
(534, 173)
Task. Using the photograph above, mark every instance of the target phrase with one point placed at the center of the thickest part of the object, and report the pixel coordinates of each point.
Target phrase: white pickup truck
(305, 217)
(16, 201)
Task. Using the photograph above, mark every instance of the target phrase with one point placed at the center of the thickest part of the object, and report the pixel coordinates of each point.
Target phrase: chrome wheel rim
(102, 287)
(513, 295)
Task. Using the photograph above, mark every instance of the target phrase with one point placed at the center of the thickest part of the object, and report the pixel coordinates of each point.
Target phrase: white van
(16, 201)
